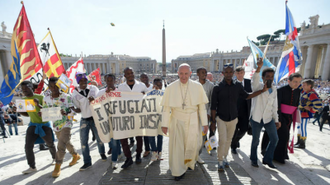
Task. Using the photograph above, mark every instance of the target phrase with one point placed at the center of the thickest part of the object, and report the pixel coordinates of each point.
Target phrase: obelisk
(164, 52)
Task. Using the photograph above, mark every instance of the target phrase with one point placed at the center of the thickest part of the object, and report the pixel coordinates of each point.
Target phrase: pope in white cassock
(184, 114)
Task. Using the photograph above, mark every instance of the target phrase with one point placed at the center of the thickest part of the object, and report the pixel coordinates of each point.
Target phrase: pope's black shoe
(179, 177)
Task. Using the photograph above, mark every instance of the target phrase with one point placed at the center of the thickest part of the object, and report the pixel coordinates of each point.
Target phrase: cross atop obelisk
(164, 52)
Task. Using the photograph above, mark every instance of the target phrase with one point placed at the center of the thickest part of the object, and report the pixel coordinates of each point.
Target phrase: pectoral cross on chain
(183, 105)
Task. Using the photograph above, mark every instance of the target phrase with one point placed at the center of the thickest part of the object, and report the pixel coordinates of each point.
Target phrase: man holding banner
(131, 85)
(183, 106)
(81, 99)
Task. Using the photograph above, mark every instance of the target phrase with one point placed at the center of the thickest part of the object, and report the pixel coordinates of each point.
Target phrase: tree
(256, 43)
(263, 39)
(279, 33)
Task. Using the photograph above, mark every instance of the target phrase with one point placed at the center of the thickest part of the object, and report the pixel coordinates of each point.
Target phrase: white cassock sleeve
(202, 114)
(166, 116)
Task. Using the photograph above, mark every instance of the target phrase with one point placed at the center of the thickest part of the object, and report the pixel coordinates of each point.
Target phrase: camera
(269, 83)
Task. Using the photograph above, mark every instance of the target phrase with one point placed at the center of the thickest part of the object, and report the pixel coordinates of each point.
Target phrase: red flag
(95, 75)
(30, 61)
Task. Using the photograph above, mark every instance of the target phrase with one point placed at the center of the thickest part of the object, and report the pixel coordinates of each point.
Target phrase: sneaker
(85, 167)
(114, 165)
(154, 156)
(200, 160)
(30, 170)
(127, 163)
(220, 167)
(160, 156)
(104, 158)
(138, 159)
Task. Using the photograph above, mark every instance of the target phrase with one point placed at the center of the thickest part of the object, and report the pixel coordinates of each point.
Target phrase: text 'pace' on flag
(291, 57)
(25, 57)
(72, 71)
(257, 53)
(50, 58)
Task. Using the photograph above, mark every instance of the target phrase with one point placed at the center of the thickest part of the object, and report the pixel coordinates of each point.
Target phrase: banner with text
(122, 115)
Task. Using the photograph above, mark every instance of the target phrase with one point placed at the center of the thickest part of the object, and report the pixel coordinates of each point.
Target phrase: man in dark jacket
(244, 107)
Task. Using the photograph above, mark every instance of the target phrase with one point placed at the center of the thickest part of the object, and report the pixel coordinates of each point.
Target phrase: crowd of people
(193, 105)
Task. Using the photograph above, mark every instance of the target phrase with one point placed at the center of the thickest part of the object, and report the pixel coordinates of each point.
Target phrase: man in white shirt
(131, 85)
(81, 99)
(264, 114)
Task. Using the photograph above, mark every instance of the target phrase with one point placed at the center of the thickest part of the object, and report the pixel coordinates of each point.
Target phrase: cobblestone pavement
(309, 166)
(158, 172)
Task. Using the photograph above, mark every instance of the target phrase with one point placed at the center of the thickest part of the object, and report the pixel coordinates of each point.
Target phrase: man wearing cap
(81, 98)
(224, 111)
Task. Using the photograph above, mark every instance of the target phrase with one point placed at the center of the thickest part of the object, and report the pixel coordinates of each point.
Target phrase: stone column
(308, 65)
(326, 66)
(117, 68)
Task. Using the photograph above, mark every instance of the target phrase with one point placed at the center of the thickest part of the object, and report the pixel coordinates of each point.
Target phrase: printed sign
(64, 83)
(211, 143)
(122, 115)
(25, 106)
(51, 114)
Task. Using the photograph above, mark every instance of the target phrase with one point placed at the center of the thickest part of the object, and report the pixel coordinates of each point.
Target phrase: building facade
(107, 63)
(314, 42)
(114, 63)
(214, 61)
(315, 46)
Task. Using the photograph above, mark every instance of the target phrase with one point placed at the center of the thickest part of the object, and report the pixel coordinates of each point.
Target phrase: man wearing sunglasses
(224, 111)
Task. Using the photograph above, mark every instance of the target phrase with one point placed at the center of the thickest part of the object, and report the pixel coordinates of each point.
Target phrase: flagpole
(51, 36)
(266, 49)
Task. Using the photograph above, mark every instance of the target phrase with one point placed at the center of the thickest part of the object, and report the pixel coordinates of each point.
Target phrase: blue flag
(257, 53)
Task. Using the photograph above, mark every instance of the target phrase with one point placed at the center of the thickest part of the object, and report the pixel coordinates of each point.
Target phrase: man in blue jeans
(81, 98)
(264, 114)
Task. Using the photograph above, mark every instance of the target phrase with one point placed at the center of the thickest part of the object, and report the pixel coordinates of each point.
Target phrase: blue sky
(192, 26)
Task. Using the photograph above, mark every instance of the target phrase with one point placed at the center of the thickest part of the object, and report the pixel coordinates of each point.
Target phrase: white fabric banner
(122, 115)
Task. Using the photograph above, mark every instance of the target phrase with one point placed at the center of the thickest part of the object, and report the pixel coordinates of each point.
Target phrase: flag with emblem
(25, 57)
(257, 53)
(291, 57)
(50, 58)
